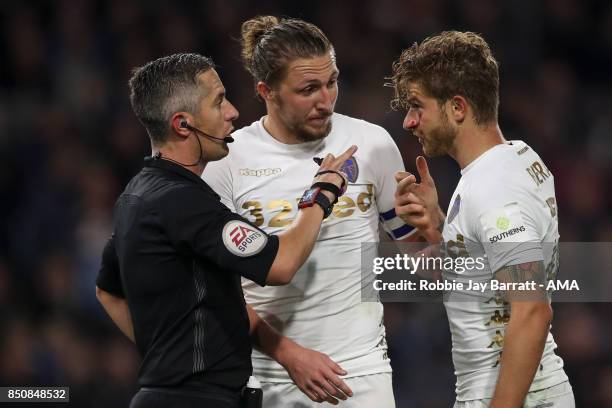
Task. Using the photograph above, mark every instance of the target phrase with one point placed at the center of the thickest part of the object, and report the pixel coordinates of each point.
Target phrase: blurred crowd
(69, 143)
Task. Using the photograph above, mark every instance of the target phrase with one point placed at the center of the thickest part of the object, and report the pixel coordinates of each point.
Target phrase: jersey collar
(158, 162)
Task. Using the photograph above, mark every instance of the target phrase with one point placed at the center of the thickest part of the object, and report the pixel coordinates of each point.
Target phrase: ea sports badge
(243, 239)
(351, 169)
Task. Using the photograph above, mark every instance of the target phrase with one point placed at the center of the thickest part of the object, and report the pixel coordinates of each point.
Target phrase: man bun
(251, 32)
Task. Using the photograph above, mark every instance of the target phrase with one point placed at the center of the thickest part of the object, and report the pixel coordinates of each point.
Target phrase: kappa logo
(259, 172)
(242, 239)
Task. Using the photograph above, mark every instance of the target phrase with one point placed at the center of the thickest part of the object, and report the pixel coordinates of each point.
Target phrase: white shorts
(558, 396)
(374, 390)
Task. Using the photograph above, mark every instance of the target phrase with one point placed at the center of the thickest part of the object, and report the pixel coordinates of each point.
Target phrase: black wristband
(335, 172)
(325, 205)
(332, 188)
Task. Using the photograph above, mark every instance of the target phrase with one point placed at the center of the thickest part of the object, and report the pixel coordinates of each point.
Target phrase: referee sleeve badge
(243, 239)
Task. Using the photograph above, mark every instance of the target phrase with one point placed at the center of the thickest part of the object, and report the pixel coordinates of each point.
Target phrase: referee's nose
(231, 113)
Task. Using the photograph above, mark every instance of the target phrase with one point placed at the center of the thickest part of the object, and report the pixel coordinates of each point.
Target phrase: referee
(170, 274)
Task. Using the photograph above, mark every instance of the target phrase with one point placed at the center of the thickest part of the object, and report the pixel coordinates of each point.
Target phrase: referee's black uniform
(177, 255)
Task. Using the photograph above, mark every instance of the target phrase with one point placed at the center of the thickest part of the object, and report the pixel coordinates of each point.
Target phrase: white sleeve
(218, 176)
(389, 163)
(505, 222)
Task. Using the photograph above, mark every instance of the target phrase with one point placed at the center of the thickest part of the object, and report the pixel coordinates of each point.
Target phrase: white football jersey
(263, 179)
(503, 210)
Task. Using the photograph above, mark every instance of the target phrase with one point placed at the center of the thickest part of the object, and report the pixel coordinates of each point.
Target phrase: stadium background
(69, 143)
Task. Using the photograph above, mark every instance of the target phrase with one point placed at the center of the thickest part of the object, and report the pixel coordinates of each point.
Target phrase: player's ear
(264, 91)
(458, 108)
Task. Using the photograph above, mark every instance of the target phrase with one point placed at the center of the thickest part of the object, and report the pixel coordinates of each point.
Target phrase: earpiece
(184, 125)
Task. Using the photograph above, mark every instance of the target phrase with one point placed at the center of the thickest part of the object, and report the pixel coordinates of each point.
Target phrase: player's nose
(324, 101)
(411, 120)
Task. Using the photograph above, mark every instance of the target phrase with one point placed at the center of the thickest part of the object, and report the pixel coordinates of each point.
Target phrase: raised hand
(417, 203)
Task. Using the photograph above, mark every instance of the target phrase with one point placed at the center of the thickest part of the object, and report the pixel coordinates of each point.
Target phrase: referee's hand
(316, 375)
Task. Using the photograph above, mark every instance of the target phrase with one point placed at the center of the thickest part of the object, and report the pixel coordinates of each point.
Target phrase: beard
(440, 140)
(299, 128)
(305, 134)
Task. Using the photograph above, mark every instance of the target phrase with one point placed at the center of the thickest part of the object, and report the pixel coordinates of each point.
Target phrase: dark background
(69, 143)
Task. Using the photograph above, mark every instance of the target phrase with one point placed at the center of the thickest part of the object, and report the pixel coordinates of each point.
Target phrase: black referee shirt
(177, 255)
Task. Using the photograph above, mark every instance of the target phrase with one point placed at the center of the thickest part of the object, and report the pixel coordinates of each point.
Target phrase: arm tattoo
(532, 273)
(525, 272)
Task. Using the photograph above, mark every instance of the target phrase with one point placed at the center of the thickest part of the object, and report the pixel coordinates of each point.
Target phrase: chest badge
(351, 169)
(454, 209)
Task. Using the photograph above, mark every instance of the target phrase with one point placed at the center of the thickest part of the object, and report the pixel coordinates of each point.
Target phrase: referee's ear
(177, 121)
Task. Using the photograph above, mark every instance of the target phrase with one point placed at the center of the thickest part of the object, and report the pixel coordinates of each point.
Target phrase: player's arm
(415, 236)
(525, 334)
(314, 373)
(110, 292)
(417, 203)
(296, 243)
(430, 252)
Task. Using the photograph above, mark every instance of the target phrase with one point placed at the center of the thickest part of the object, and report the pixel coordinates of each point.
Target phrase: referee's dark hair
(165, 86)
(269, 44)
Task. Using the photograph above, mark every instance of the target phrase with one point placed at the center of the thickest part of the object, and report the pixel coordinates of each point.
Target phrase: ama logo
(242, 239)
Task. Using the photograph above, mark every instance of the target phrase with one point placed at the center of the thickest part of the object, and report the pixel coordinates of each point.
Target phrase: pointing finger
(347, 154)
(422, 168)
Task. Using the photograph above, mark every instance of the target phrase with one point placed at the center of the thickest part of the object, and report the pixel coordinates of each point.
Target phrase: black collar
(157, 161)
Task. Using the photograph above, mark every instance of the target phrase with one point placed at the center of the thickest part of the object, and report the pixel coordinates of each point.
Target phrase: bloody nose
(410, 122)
